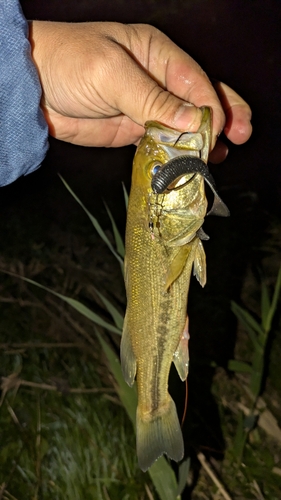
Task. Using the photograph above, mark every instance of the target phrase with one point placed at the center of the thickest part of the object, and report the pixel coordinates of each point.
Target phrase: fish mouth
(170, 173)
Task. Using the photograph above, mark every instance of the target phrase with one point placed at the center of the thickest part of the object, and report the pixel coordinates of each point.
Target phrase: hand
(102, 81)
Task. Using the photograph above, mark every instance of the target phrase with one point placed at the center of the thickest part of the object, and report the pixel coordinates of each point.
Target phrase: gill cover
(194, 162)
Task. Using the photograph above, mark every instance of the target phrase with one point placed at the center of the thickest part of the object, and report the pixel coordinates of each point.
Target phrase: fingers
(177, 72)
(98, 71)
(132, 91)
(238, 126)
(112, 78)
(219, 153)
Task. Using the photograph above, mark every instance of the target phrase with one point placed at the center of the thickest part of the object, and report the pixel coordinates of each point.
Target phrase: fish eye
(155, 168)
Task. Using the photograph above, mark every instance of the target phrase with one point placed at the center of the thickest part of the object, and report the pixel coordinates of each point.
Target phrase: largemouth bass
(167, 207)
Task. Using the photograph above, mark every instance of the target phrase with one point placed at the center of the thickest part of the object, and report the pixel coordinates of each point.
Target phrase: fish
(163, 246)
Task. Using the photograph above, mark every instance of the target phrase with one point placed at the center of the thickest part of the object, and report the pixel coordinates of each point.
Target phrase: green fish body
(163, 246)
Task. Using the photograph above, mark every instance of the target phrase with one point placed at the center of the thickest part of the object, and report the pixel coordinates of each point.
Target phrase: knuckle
(159, 103)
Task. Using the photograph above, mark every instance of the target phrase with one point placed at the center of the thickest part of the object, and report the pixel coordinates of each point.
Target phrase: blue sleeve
(23, 130)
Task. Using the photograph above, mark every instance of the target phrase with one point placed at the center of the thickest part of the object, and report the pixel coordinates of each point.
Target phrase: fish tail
(159, 434)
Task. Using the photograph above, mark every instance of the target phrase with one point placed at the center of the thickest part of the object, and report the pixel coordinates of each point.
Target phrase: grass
(60, 445)
(56, 443)
(161, 473)
(259, 332)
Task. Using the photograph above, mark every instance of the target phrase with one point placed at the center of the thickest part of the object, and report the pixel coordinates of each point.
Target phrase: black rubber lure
(183, 165)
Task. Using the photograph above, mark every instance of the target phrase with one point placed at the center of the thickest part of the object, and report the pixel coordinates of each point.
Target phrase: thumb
(137, 95)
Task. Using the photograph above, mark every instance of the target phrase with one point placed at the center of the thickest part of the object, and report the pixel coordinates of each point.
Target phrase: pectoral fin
(181, 355)
(199, 264)
(177, 264)
(128, 360)
(186, 235)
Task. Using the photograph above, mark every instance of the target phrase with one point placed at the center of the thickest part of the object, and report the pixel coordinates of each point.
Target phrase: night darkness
(239, 43)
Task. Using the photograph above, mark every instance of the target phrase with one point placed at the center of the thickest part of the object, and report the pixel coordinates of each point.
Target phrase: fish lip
(182, 165)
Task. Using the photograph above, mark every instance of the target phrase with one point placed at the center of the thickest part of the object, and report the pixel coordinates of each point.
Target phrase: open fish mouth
(167, 176)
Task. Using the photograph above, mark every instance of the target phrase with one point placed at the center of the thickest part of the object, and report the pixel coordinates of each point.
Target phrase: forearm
(24, 132)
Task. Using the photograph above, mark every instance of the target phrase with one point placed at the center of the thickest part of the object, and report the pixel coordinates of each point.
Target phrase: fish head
(175, 215)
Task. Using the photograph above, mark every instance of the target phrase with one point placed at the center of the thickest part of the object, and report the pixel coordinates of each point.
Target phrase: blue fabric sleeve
(23, 130)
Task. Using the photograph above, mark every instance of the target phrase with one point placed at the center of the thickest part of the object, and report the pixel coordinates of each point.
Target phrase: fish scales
(162, 248)
(155, 325)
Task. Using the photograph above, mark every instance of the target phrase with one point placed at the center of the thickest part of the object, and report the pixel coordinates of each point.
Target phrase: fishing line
(185, 403)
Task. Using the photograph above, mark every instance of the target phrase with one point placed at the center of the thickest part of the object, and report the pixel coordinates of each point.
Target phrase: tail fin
(158, 435)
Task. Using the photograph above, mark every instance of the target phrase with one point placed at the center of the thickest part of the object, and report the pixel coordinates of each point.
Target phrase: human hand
(102, 81)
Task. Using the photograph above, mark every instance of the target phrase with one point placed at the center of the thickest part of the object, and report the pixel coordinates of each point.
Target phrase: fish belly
(154, 323)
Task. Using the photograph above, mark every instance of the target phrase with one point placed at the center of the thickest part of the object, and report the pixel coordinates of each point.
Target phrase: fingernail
(187, 117)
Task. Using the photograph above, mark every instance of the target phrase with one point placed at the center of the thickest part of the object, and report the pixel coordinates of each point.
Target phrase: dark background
(237, 42)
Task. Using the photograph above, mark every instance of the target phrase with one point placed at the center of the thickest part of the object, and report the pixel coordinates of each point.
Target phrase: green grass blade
(115, 314)
(239, 366)
(256, 375)
(183, 474)
(274, 301)
(164, 480)
(128, 396)
(239, 439)
(126, 196)
(95, 223)
(162, 475)
(249, 322)
(265, 305)
(73, 303)
(117, 236)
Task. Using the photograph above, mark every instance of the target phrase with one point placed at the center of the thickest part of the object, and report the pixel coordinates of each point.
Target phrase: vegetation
(64, 431)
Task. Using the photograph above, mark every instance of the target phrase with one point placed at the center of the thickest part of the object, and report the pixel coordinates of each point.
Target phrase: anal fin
(181, 355)
(199, 264)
